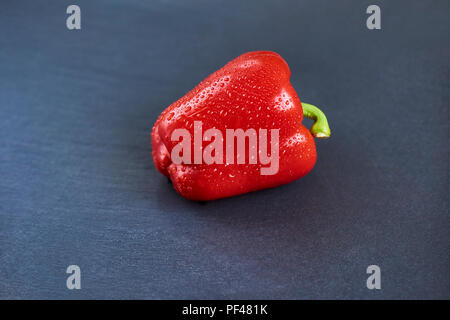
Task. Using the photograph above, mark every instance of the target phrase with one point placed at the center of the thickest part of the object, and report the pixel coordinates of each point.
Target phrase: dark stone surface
(78, 185)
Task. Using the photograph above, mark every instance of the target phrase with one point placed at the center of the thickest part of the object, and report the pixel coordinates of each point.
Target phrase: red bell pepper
(252, 93)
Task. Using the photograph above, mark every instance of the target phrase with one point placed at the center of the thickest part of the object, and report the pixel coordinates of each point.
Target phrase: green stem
(320, 128)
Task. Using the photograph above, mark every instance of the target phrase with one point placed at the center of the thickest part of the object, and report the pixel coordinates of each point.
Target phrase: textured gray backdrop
(78, 185)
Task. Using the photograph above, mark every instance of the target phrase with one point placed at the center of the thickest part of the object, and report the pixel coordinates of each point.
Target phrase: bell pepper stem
(320, 128)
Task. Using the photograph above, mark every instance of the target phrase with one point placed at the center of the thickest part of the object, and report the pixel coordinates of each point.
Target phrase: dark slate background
(78, 185)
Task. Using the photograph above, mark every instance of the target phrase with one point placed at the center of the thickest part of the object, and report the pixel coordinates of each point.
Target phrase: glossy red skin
(251, 91)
